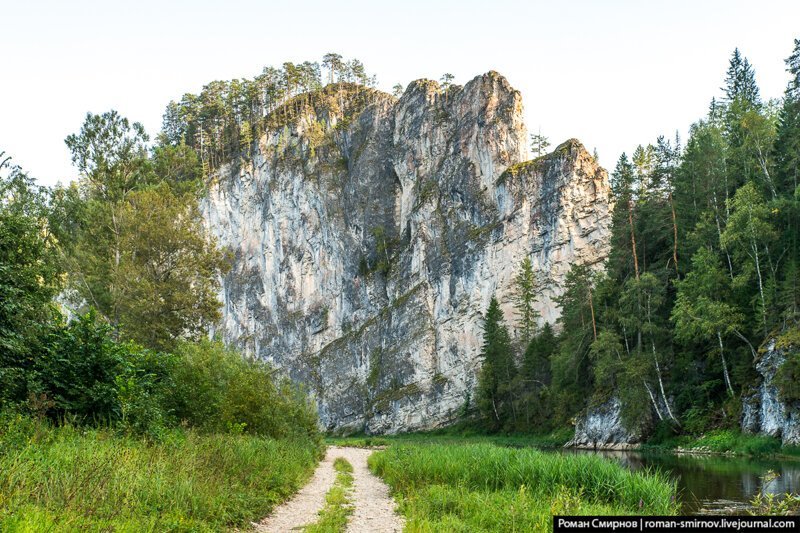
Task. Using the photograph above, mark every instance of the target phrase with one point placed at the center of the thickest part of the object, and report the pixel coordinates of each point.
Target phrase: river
(711, 483)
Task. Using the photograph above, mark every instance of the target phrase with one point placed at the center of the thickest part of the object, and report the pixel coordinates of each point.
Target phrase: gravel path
(374, 509)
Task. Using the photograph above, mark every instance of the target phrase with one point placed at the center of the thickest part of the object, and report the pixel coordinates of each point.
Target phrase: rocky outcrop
(763, 410)
(601, 427)
(368, 234)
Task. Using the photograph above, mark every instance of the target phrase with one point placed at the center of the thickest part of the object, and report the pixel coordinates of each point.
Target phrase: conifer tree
(524, 297)
(787, 143)
(495, 388)
(539, 144)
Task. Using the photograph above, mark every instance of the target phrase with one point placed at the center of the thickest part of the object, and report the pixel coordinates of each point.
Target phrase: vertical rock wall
(369, 234)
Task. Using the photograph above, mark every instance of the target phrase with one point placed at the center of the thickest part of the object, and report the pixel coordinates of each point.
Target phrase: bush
(144, 391)
(216, 389)
(85, 376)
(78, 369)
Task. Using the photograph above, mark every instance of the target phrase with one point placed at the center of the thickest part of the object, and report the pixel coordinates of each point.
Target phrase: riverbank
(723, 442)
(458, 435)
(716, 442)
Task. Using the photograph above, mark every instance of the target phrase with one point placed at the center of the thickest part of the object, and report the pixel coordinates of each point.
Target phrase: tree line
(108, 287)
(226, 117)
(704, 268)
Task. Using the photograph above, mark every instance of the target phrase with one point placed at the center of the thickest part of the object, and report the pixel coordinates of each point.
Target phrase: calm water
(715, 484)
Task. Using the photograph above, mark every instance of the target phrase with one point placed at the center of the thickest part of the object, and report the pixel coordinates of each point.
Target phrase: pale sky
(611, 73)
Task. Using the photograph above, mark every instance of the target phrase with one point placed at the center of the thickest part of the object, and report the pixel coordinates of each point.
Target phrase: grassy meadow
(70, 478)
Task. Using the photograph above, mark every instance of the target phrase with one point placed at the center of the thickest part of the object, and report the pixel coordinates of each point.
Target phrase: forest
(704, 271)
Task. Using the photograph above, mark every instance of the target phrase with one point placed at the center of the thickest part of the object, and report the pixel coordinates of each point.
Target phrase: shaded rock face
(367, 241)
(601, 427)
(763, 411)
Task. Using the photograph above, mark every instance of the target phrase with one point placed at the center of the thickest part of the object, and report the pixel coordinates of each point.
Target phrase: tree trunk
(661, 384)
(633, 240)
(591, 307)
(752, 349)
(760, 287)
(653, 400)
(674, 234)
(724, 365)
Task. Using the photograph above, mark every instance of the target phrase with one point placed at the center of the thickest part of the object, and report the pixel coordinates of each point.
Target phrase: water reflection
(713, 483)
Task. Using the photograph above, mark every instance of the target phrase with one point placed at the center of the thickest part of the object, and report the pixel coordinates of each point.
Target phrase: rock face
(601, 427)
(763, 411)
(369, 233)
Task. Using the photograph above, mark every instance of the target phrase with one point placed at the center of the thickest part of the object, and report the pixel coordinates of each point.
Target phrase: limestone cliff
(763, 410)
(602, 427)
(369, 234)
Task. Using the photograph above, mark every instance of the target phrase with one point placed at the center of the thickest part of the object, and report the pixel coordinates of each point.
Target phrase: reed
(490, 488)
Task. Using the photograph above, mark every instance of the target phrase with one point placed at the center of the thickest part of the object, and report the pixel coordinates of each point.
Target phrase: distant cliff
(369, 234)
(764, 410)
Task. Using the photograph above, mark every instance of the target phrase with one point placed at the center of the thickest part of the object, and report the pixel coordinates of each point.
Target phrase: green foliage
(29, 277)
(717, 441)
(132, 235)
(571, 374)
(222, 122)
(166, 282)
(495, 390)
(216, 389)
(774, 505)
(179, 167)
(65, 478)
(787, 379)
(748, 235)
(488, 488)
(702, 268)
(539, 144)
(608, 365)
(533, 383)
(358, 442)
(83, 374)
(79, 370)
(385, 249)
(524, 297)
(110, 153)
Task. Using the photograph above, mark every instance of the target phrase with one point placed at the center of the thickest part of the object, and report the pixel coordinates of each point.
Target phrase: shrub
(86, 376)
(216, 389)
(78, 369)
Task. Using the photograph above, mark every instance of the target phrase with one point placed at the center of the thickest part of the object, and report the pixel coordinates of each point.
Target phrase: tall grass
(481, 487)
(71, 479)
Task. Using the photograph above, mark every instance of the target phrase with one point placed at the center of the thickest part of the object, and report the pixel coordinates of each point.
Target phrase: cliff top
(570, 149)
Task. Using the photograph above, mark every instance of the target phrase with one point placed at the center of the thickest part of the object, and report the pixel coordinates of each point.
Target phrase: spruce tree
(524, 297)
(787, 144)
(495, 392)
